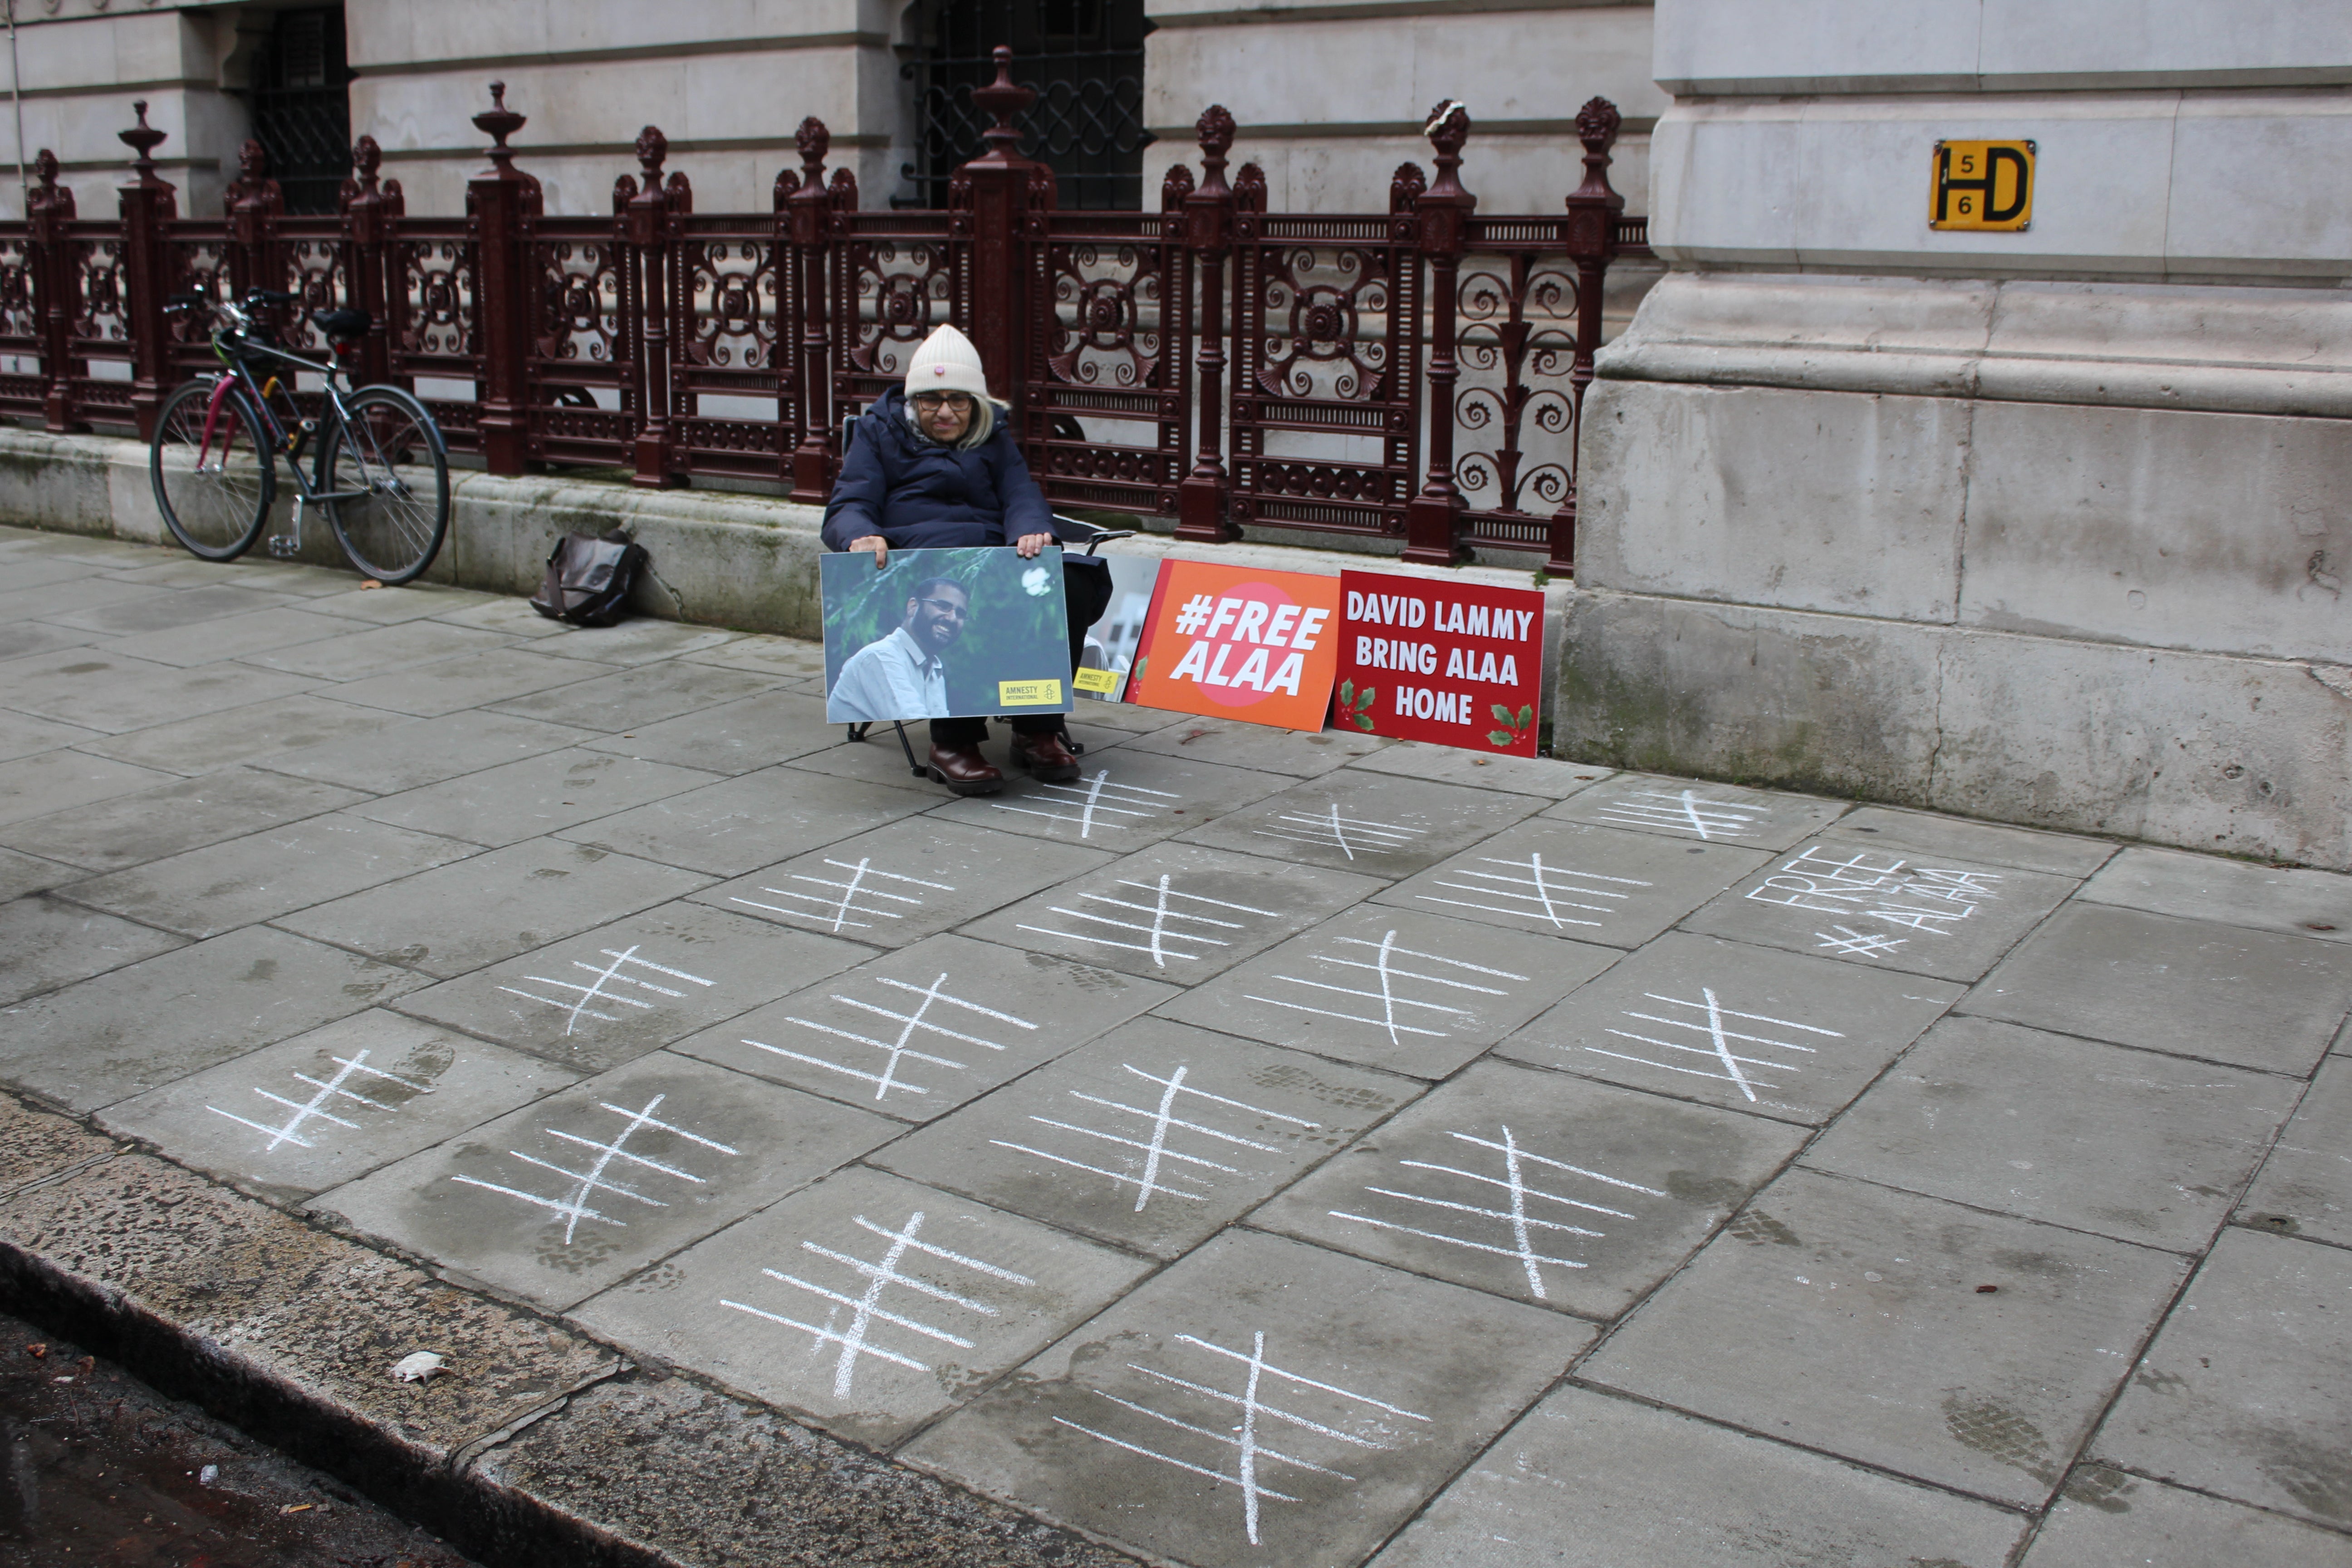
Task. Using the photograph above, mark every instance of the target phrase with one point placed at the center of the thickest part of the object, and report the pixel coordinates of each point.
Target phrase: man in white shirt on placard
(900, 676)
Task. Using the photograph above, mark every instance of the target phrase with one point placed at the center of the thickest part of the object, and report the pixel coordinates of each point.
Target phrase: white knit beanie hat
(947, 362)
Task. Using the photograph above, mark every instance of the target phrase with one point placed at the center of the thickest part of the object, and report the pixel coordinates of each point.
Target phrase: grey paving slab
(786, 659)
(1378, 825)
(410, 602)
(327, 1107)
(2242, 1392)
(920, 1032)
(2305, 1186)
(466, 681)
(344, 654)
(22, 735)
(102, 1040)
(1392, 988)
(203, 893)
(2106, 1518)
(570, 1195)
(2219, 992)
(1850, 1318)
(1262, 1402)
(1544, 776)
(538, 795)
(1589, 1480)
(81, 593)
(25, 638)
(1567, 879)
(112, 554)
(1121, 800)
(398, 753)
(2139, 1147)
(902, 883)
(1152, 1136)
(165, 567)
(229, 636)
(158, 612)
(733, 737)
(866, 1302)
(1221, 741)
(642, 641)
(255, 733)
(1128, 717)
(33, 788)
(1175, 911)
(2207, 888)
(295, 579)
(49, 943)
(1861, 904)
(101, 690)
(1702, 812)
(878, 759)
(22, 874)
(1799, 1037)
(646, 695)
(1918, 833)
(731, 827)
(608, 995)
(39, 570)
(186, 813)
(511, 617)
(1537, 1186)
(457, 918)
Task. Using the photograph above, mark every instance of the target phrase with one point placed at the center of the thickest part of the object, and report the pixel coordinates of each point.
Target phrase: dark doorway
(1085, 58)
(302, 106)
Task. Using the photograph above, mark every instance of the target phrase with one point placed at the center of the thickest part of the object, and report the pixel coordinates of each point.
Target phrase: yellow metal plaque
(1982, 185)
(1028, 693)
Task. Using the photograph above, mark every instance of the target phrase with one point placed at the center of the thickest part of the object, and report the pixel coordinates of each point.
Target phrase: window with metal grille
(301, 106)
(1084, 58)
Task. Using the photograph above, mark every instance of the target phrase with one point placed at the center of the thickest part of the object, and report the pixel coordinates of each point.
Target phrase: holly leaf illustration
(1347, 694)
(1501, 715)
(1364, 699)
(1362, 722)
(1527, 716)
(1498, 737)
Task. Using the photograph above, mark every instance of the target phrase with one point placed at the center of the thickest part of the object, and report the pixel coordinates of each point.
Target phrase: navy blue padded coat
(919, 495)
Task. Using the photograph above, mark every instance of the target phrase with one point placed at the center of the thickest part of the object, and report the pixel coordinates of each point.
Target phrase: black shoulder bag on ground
(589, 578)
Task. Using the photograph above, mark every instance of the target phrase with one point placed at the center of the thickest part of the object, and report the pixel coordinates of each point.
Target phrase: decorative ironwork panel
(730, 297)
(20, 322)
(435, 325)
(1105, 400)
(1085, 60)
(101, 322)
(317, 269)
(583, 328)
(1515, 408)
(898, 276)
(1326, 354)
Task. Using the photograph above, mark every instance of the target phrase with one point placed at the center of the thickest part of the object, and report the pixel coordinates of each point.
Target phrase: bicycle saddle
(341, 326)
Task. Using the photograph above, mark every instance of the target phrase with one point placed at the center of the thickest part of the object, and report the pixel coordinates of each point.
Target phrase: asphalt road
(100, 1468)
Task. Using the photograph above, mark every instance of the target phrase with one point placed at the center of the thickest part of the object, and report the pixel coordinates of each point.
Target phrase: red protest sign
(1432, 660)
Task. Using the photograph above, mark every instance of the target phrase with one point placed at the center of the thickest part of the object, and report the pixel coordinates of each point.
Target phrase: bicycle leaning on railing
(379, 467)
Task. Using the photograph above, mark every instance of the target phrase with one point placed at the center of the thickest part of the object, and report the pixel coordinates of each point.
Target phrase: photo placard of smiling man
(903, 675)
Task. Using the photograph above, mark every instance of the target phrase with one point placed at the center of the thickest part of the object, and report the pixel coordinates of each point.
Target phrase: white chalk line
(314, 1109)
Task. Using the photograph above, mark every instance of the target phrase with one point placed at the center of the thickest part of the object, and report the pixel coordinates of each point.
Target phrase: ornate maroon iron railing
(1415, 374)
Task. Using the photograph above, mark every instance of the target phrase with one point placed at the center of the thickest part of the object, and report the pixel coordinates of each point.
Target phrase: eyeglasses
(939, 606)
(932, 402)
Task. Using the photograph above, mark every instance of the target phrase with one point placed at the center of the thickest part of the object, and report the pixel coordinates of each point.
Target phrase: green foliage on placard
(1356, 706)
(1514, 726)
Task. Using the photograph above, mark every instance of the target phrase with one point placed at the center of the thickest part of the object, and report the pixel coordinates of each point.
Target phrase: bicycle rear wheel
(391, 475)
(213, 490)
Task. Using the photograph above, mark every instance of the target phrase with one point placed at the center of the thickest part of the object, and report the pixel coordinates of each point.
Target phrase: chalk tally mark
(1924, 900)
(572, 1206)
(1722, 1039)
(1533, 891)
(1146, 1158)
(1096, 801)
(899, 1049)
(858, 892)
(1162, 930)
(333, 1090)
(614, 982)
(1513, 1231)
(868, 1315)
(1329, 830)
(1684, 811)
(1207, 1397)
(1382, 984)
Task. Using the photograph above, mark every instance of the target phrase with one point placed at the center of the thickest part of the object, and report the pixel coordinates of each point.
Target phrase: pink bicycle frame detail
(211, 419)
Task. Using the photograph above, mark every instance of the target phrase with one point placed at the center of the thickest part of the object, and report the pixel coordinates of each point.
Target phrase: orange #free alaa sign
(1232, 642)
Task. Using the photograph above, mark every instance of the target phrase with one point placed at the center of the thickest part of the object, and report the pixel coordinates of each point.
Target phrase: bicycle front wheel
(387, 475)
(213, 487)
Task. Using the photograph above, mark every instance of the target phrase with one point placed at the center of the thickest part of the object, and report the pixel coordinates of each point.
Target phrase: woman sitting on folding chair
(932, 466)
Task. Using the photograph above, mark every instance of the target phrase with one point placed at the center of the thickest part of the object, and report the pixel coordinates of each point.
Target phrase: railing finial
(142, 139)
(1215, 131)
(1003, 99)
(498, 122)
